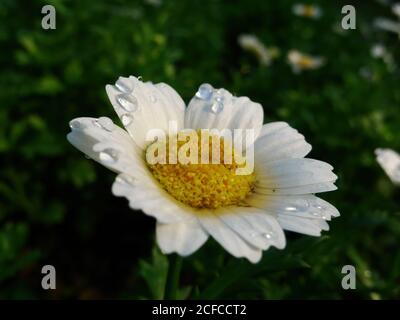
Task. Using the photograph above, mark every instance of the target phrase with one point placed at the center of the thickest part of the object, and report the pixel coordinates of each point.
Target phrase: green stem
(172, 283)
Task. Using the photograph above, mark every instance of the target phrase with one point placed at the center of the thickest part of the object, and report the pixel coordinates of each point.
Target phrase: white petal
(304, 214)
(257, 227)
(305, 206)
(294, 176)
(277, 140)
(306, 189)
(183, 238)
(390, 163)
(295, 179)
(151, 199)
(109, 145)
(232, 113)
(229, 239)
(312, 227)
(151, 107)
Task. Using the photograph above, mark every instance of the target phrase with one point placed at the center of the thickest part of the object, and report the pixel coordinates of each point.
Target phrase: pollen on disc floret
(199, 185)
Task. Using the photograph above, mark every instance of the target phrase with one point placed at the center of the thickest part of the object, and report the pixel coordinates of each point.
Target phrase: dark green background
(56, 207)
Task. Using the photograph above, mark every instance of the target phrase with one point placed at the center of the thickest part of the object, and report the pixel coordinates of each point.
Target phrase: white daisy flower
(389, 160)
(252, 44)
(307, 10)
(301, 61)
(246, 214)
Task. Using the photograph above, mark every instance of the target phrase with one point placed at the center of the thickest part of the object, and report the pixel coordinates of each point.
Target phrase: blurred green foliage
(56, 206)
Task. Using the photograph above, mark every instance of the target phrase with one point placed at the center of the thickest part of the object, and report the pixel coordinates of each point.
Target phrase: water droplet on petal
(218, 104)
(124, 179)
(298, 206)
(219, 95)
(320, 215)
(153, 99)
(269, 235)
(124, 86)
(204, 92)
(127, 102)
(126, 119)
(217, 107)
(108, 156)
(75, 124)
(105, 123)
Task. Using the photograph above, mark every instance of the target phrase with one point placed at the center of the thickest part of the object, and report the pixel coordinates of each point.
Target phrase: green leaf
(155, 273)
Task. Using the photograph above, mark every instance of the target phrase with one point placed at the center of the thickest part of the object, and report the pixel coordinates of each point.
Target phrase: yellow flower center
(195, 183)
(306, 62)
(309, 11)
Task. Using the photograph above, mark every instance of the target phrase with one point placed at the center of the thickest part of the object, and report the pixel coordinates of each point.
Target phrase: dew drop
(75, 124)
(291, 209)
(217, 107)
(124, 179)
(219, 94)
(218, 104)
(108, 156)
(153, 99)
(269, 235)
(320, 215)
(126, 119)
(204, 92)
(127, 102)
(123, 85)
(105, 123)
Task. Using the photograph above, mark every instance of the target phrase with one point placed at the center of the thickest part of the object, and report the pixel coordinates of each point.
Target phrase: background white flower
(396, 9)
(252, 44)
(300, 61)
(307, 10)
(389, 160)
(285, 182)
